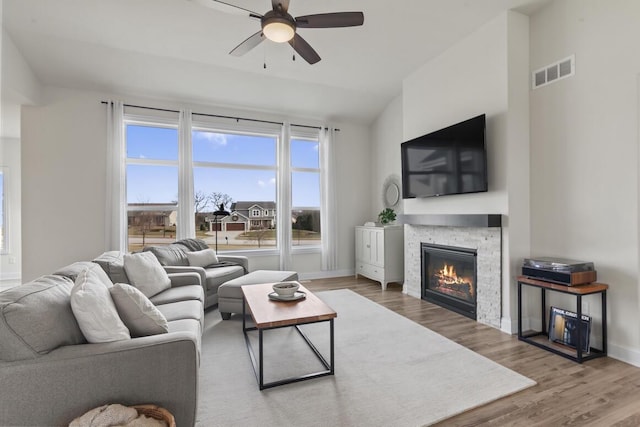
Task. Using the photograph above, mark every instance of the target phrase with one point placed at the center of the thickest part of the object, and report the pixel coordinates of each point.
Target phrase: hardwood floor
(600, 392)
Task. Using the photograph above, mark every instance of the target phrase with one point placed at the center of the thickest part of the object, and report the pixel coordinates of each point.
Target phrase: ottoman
(230, 294)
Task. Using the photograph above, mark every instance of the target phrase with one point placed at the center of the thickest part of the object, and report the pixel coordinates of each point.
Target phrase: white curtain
(328, 209)
(116, 206)
(284, 198)
(186, 210)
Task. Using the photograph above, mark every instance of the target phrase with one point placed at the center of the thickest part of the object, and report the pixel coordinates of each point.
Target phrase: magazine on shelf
(563, 328)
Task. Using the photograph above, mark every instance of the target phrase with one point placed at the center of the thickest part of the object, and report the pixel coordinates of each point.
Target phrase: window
(223, 177)
(235, 170)
(305, 192)
(152, 183)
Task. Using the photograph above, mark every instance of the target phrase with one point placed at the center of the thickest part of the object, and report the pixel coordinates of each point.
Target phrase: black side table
(541, 338)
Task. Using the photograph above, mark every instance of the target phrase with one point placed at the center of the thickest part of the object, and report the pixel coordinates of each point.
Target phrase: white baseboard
(624, 354)
(326, 274)
(9, 276)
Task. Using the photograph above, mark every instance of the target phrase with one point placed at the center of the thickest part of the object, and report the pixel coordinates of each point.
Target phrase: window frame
(305, 134)
(243, 130)
(200, 122)
(157, 122)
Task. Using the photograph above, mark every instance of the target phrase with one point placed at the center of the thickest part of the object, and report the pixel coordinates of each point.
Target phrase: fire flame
(448, 277)
(448, 273)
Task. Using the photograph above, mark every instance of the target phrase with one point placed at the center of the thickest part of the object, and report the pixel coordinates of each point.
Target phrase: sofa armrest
(170, 269)
(184, 279)
(237, 259)
(64, 384)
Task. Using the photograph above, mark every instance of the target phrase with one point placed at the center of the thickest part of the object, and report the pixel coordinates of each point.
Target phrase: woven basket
(157, 413)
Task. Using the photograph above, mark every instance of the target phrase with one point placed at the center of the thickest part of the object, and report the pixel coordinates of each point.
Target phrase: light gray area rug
(389, 371)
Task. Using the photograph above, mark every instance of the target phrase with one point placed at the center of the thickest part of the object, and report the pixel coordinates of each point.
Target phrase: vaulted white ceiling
(178, 49)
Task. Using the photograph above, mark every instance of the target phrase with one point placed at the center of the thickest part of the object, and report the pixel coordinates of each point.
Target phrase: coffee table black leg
(261, 357)
(331, 340)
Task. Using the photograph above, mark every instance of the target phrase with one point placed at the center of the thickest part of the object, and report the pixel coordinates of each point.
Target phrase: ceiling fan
(279, 26)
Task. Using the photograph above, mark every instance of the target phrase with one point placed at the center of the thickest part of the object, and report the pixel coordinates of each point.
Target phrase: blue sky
(159, 184)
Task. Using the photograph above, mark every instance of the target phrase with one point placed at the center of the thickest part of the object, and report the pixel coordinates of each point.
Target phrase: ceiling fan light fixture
(278, 30)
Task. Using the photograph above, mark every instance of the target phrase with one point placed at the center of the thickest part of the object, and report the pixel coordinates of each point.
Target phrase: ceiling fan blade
(248, 44)
(284, 3)
(227, 8)
(304, 49)
(330, 20)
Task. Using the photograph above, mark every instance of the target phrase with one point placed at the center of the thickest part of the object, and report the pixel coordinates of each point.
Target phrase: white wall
(18, 85)
(387, 137)
(584, 152)
(10, 260)
(63, 181)
(487, 72)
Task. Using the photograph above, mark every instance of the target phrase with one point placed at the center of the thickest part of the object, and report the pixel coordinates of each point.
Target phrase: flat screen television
(452, 160)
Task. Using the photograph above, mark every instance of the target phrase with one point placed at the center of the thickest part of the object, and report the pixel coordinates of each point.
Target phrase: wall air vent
(554, 72)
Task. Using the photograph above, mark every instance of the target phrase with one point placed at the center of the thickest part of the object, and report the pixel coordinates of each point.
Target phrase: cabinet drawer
(368, 270)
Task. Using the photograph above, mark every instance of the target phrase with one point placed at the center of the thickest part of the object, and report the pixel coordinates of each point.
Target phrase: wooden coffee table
(268, 314)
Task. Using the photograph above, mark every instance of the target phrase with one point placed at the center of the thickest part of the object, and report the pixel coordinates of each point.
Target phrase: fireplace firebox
(449, 277)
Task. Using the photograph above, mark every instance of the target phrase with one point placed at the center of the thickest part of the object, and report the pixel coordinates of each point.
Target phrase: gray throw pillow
(146, 273)
(202, 258)
(137, 312)
(94, 310)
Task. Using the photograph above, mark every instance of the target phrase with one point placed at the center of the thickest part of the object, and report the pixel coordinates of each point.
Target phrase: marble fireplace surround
(480, 232)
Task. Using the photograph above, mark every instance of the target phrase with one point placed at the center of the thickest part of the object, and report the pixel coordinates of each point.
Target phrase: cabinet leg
(384, 286)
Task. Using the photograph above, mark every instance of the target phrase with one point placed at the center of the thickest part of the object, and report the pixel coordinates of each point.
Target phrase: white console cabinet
(380, 253)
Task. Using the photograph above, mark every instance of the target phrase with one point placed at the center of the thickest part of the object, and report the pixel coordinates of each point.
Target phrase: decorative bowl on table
(286, 289)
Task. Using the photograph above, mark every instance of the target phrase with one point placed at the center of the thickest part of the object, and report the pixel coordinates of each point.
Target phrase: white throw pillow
(137, 312)
(146, 273)
(94, 310)
(203, 258)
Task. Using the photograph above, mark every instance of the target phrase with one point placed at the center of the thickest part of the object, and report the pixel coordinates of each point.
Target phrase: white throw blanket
(115, 415)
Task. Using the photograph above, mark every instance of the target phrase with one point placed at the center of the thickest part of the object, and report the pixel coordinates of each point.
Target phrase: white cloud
(263, 184)
(214, 138)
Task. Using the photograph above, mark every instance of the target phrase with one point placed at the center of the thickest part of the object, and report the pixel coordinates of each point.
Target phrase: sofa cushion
(36, 318)
(72, 271)
(217, 276)
(181, 293)
(141, 317)
(95, 311)
(203, 258)
(112, 262)
(169, 255)
(146, 273)
(182, 310)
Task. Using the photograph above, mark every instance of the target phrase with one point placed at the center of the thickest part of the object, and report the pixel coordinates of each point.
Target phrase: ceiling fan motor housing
(278, 27)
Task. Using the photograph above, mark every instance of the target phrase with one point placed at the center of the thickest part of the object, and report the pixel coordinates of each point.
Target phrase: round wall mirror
(391, 192)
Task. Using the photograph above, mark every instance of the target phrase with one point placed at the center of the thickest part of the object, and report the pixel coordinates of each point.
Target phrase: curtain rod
(223, 117)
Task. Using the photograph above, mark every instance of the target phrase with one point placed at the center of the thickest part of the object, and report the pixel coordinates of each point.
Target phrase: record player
(557, 270)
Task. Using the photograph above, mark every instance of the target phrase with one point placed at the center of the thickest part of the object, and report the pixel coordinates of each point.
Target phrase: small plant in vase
(387, 216)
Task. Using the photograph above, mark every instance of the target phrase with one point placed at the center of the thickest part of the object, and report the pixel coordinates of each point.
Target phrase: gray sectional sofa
(50, 375)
